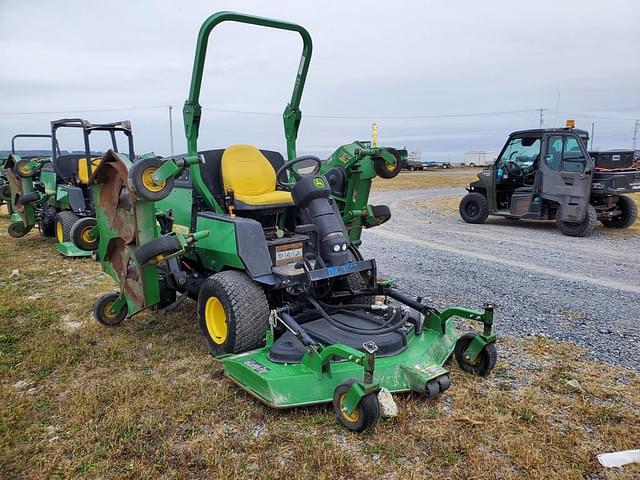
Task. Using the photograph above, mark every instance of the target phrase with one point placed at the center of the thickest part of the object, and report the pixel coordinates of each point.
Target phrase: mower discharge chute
(285, 300)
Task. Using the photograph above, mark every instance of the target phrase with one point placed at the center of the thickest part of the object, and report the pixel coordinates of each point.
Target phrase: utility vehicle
(284, 298)
(547, 174)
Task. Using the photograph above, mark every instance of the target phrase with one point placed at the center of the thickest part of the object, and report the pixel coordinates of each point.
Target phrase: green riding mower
(23, 180)
(54, 193)
(269, 249)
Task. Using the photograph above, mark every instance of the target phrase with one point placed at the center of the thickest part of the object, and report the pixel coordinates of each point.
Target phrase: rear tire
(64, 223)
(233, 313)
(474, 208)
(628, 214)
(582, 229)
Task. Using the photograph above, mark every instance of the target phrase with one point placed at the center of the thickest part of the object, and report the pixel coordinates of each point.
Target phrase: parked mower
(547, 174)
(54, 193)
(23, 177)
(285, 300)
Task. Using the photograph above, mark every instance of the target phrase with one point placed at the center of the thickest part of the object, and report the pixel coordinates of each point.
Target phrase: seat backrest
(66, 166)
(246, 171)
(212, 171)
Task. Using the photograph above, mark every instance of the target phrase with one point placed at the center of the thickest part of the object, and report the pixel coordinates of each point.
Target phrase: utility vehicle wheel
(81, 234)
(474, 208)
(18, 230)
(485, 361)
(23, 170)
(103, 313)
(141, 179)
(385, 170)
(582, 229)
(5, 193)
(233, 313)
(363, 417)
(627, 216)
(157, 249)
(64, 222)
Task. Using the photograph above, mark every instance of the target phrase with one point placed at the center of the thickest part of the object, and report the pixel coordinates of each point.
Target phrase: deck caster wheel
(103, 312)
(18, 230)
(485, 361)
(156, 250)
(363, 417)
(81, 235)
(140, 176)
(23, 169)
(436, 386)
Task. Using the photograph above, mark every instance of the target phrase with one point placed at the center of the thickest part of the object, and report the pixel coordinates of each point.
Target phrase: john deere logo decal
(318, 182)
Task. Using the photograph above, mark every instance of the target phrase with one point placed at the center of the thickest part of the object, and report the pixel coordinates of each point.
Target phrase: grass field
(456, 177)
(145, 400)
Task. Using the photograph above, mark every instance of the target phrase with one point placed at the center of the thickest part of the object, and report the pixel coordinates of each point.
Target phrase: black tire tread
(164, 245)
(483, 214)
(67, 219)
(583, 229)
(247, 301)
(627, 217)
(489, 356)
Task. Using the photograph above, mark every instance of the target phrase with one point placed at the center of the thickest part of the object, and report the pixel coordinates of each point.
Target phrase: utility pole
(593, 125)
(542, 110)
(171, 127)
(635, 133)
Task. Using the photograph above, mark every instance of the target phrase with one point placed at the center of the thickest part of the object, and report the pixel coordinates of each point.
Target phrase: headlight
(336, 248)
(344, 247)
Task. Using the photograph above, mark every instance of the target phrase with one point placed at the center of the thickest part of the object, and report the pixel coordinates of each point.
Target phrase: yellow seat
(247, 172)
(83, 174)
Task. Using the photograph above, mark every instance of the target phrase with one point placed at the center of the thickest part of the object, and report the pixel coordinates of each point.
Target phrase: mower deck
(68, 249)
(282, 385)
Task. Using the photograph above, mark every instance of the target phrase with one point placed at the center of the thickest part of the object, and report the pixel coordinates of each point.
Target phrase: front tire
(628, 214)
(582, 229)
(64, 223)
(233, 313)
(474, 208)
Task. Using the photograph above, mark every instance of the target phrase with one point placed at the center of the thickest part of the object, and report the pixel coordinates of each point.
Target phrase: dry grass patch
(455, 177)
(145, 400)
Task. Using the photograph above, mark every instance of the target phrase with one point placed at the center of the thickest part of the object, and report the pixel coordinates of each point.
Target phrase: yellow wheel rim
(147, 180)
(109, 313)
(355, 415)
(59, 232)
(86, 235)
(24, 169)
(390, 166)
(216, 320)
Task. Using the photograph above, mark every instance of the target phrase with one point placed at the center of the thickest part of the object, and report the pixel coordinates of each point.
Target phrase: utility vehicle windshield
(523, 151)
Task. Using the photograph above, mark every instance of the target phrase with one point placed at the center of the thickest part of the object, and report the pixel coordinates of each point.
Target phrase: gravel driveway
(580, 290)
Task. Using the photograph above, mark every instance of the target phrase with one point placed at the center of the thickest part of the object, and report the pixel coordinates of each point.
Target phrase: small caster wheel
(103, 313)
(18, 230)
(141, 179)
(363, 417)
(81, 235)
(485, 361)
(23, 169)
(432, 389)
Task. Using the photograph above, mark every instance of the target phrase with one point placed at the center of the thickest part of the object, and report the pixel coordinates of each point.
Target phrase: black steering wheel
(514, 169)
(287, 167)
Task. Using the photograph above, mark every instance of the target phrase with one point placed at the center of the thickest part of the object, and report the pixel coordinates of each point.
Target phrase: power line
(92, 110)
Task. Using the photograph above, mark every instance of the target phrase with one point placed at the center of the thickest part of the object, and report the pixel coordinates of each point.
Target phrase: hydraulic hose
(379, 330)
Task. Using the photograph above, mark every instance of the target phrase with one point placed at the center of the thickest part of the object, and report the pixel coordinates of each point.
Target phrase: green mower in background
(54, 193)
(269, 250)
(23, 180)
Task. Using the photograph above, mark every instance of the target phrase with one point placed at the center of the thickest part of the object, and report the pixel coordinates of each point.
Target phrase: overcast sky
(371, 60)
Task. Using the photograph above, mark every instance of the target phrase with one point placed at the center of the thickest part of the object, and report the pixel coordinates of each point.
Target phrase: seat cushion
(248, 172)
(274, 198)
